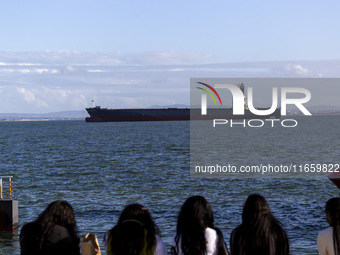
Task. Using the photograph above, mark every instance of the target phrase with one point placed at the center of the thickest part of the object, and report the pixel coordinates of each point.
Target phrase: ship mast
(93, 102)
(241, 86)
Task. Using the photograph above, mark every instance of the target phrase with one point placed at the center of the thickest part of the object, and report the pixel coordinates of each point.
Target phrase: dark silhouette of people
(54, 232)
(260, 233)
(328, 240)
(135, 234)
(195, 232)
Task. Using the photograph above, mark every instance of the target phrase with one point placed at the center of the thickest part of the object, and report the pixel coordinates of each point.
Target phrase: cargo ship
(98, 114)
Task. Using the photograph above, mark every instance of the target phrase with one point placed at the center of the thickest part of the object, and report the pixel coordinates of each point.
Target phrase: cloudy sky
(58, 55)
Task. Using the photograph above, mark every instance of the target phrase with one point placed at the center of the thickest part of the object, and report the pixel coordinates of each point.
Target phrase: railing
(6, 187)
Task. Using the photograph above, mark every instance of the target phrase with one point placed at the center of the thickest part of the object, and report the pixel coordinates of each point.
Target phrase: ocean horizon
(101, 167)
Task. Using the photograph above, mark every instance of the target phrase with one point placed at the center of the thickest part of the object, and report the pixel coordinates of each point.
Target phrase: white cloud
(54, 71)
(28, 70)
(71, 69)
(60, 81)
(131, 102)
(176, 69)
(95, 71)
(171, 57)
(297, 69)
(79, 101)
(28, 64)
(18, 64)
(41, 70)
(74, 58)
(28, 95)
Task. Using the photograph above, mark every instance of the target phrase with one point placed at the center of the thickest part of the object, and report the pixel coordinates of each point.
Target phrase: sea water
(101, 167)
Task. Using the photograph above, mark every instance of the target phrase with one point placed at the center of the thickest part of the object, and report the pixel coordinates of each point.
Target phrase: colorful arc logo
(209, 93)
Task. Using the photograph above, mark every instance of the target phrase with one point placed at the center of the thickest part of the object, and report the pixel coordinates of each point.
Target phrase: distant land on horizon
(82, 114)
(64, 115)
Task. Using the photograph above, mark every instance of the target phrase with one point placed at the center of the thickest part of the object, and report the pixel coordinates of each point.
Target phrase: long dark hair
(195, 216)
(333, 218)
(260, 232)
(135, 232)
(59, 213)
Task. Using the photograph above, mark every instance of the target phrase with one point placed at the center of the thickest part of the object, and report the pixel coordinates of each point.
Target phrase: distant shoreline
(47, 119)
(318, 113)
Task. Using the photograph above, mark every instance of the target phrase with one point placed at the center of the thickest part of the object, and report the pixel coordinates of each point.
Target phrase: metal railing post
(10, 188)
(5, 191)
(1, 188)
(9, 216)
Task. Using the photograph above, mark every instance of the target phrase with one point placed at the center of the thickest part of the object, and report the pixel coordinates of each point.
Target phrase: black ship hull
(98, 114)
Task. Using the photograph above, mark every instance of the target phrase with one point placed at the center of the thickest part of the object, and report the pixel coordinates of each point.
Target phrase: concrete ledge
(9, 217)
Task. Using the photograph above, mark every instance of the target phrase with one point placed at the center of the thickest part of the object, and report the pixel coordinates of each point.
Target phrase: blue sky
(58, 55)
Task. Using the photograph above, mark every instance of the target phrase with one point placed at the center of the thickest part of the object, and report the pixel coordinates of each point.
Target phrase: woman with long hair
(135, 234)
(53, 232)
(328, 241)
(260, 232)
(195, 232)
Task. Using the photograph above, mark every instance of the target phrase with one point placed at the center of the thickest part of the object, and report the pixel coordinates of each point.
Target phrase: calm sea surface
(100, 167)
